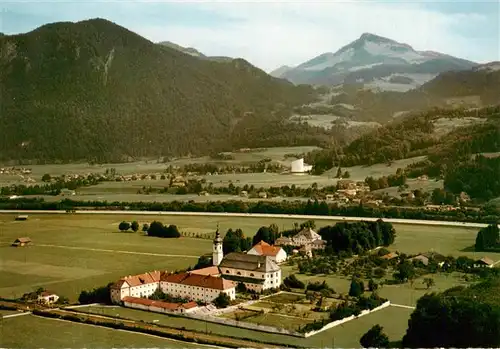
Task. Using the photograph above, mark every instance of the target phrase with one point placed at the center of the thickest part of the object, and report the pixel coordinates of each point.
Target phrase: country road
(256, 215)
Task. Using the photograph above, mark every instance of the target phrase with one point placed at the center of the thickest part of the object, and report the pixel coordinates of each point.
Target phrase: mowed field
(393, 319)
(72, 253)
(35, 332)
(75, 252)
(155, 165)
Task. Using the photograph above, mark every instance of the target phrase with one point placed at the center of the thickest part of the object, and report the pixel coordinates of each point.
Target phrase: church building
(256, 272)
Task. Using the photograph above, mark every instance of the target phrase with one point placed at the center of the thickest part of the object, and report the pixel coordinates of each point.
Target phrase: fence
(346, 319)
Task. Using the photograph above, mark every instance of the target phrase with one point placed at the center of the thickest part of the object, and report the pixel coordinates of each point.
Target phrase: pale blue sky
(274, 33)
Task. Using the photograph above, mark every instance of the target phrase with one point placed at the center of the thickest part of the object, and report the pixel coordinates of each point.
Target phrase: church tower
(217, 253)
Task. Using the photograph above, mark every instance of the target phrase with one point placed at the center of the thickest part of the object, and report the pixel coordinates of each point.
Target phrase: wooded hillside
(94, 90)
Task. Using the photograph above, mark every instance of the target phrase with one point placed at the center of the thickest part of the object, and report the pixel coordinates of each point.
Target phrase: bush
(357, 288)
(378, 273)
(291, 281)
(375, 338)
(134, 226)
(344, 310)
(222, 300)
(159, 230)
(124, 226)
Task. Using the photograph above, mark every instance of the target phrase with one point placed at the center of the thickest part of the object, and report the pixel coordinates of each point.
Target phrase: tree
(292, 282)
(46, 178)
(488, 238)
(405, 271)
(372, 285)
(264, 234)
(135, 226)
(346, 174)
(374, 338)
(203, 262)
(234, 241)
(379, 273)
(454, 319)
(145, 227)
(159, 230)
(357, 288)
(339, 173)
(222, 300)
(124, 226)
(429, 282)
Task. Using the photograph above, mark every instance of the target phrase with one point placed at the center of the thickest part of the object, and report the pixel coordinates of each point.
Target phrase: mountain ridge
(372, 58)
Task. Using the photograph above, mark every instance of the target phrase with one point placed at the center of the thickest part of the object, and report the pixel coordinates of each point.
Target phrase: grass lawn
(75, 252)
(277, 320)
(405, 294)
(71, 253)
(285, 298)
(7, 312)
(35, 332)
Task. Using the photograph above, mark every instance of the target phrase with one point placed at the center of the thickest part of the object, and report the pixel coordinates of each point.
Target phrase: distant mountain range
(375, 62)
(94, 90)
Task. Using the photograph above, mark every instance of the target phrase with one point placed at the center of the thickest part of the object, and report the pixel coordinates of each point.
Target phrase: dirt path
(116, 251)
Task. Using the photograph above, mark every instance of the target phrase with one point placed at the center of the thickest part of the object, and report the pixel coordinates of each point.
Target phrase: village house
(47, 297)
(306, 236)
(21, 242)
(276, 253)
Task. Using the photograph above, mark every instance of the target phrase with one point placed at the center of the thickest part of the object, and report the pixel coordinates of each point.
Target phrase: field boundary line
(260, 215)
(116, 251)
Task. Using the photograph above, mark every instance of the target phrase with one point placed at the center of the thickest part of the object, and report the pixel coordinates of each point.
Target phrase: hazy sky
(274, 33)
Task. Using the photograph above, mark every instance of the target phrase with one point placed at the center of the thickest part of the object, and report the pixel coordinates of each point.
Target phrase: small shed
(22, 218)
(21, 242)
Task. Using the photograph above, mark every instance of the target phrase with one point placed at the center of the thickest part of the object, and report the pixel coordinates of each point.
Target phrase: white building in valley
(264, 249)
(298, 166)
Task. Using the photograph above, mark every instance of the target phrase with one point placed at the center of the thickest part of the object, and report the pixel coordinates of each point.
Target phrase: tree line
(487, 214)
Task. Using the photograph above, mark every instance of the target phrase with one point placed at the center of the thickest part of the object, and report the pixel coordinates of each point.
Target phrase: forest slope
(94, 90)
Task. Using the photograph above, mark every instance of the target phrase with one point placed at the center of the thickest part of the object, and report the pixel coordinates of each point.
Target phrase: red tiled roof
(213, 270)
(205, 281)
(190, 305)
(264, 249)
(137, 280)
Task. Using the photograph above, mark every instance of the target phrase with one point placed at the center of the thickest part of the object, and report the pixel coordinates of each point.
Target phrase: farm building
(484, 262)
(22, 218)
(264, 249)
(21, 242)
(298, 166)
(48, 297)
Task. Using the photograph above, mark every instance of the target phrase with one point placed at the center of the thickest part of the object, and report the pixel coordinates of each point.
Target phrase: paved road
(258, 215)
